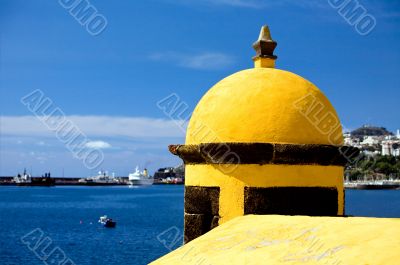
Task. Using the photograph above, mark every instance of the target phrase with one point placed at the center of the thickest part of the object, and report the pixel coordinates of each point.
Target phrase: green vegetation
(371, 168)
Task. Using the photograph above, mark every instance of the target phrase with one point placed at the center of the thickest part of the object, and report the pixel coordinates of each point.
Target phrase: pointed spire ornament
(265, 45)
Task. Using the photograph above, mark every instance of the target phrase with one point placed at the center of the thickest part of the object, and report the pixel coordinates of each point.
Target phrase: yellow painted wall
(264, 105)
(233, 178)
(264, 62)
(274, 239)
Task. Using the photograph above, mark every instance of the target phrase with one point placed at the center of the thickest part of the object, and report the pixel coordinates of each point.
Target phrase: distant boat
(107, 222)
(27, 180)
(103, 178)
(140, 178)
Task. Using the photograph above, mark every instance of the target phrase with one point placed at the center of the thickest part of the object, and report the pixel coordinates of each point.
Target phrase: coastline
(7, 181)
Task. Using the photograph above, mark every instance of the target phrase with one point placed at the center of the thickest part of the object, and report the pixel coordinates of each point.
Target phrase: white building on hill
(391, 147)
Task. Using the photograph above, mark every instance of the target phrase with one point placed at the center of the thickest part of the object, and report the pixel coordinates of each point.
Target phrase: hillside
(370, 131)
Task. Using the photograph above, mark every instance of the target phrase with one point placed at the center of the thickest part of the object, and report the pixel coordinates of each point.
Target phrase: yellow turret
(261, 141)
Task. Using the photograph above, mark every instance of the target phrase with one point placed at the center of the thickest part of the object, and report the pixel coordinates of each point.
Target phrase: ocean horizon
(149, 221)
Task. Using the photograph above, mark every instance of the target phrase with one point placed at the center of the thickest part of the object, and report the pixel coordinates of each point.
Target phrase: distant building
(348, 140)
(386, 148)
(391, 147)
(374, 141)
(164, 173)
(396, 152)
(370, 140)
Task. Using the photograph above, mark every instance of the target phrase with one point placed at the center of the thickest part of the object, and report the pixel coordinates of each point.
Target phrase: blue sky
(109, 84)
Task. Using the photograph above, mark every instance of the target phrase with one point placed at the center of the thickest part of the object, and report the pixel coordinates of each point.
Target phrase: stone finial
(265, 45)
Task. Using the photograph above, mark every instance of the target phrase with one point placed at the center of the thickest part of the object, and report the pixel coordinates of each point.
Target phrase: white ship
(140, 178)
(25, 178)
(103, 178)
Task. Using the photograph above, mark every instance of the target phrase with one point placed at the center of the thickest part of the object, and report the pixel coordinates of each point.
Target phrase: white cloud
(131, 141)
(98, 145)
(203, 61)
(96, 126)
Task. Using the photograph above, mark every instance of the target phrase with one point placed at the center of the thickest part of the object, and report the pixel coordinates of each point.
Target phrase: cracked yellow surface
(274, 239)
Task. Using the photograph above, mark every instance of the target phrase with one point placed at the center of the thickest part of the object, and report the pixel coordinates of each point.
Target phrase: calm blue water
(68, 216)
(141, 215)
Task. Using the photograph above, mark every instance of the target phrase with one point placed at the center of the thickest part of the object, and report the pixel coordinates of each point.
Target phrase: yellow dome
(264, 105)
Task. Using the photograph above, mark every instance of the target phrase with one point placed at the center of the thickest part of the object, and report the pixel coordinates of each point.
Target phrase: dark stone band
(265, 153)
(311, 201)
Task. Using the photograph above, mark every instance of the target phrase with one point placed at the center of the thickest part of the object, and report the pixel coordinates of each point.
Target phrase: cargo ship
(102, 179)
(27, 180)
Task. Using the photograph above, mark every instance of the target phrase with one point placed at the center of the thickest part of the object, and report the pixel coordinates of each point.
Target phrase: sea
(49, 225)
